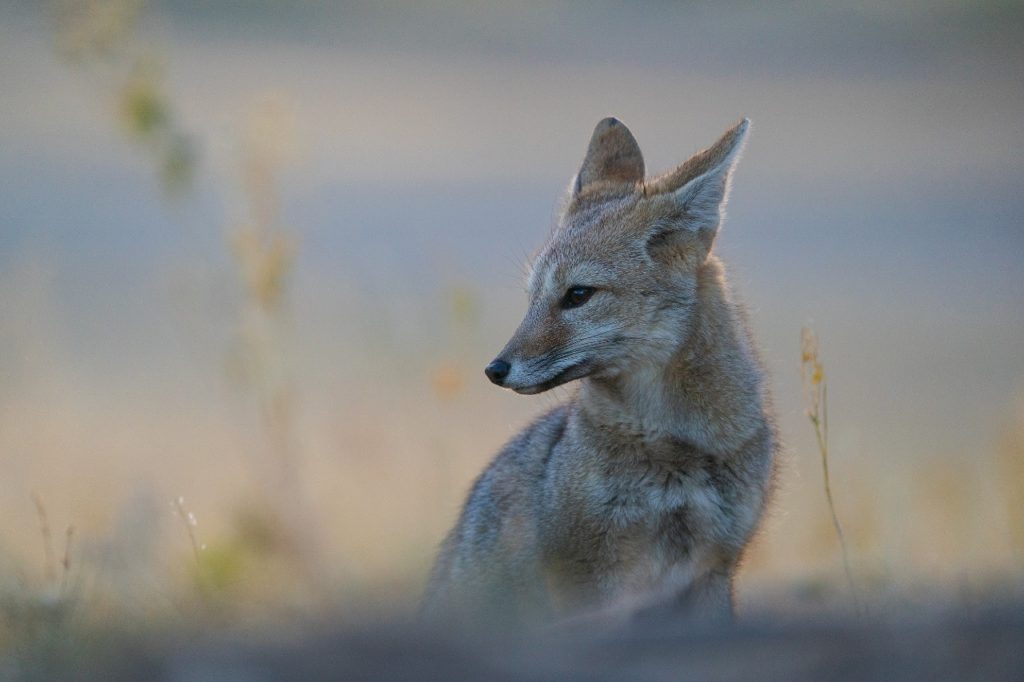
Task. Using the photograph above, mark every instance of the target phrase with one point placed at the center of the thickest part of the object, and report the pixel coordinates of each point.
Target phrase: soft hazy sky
(881, 194)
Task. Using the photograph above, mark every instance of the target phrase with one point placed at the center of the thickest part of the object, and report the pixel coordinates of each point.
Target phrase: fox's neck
(709, 392)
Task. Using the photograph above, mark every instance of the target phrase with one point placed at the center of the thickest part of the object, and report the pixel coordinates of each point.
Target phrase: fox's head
(615, 285)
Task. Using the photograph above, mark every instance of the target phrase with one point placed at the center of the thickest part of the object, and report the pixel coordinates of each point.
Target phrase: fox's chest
(662, 512)
(658, 511)
(631, 530)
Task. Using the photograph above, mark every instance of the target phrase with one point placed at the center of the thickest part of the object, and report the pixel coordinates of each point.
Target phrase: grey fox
(642, 491)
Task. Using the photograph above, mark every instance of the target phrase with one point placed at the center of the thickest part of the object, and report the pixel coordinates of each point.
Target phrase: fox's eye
(577, 296)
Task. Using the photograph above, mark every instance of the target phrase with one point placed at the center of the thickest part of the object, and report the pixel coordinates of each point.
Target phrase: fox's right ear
(613, 158)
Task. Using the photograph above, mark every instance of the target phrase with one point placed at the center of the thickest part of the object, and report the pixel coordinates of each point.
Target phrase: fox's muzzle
(535, 358)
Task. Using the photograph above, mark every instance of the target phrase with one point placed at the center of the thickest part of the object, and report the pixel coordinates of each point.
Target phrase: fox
(641, 492)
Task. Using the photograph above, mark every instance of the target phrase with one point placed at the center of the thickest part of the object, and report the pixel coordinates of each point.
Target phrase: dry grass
(815, 385)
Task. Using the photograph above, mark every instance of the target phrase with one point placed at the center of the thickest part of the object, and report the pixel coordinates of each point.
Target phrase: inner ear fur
(672, 238)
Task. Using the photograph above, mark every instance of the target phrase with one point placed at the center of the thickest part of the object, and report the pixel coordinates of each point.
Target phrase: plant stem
(821, 432)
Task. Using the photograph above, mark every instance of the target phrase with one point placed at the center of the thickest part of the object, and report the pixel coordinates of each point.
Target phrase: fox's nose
(497, 371)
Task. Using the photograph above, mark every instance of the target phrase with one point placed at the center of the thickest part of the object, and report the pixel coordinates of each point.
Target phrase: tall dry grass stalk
(65, 562)
(44, 531)
(188, 519)
(100, 36)
(60, 587)
(263, 251)
(263, 255)
(815, 387)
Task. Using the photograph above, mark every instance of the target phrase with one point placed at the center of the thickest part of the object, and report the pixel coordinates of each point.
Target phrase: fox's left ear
(696, 192)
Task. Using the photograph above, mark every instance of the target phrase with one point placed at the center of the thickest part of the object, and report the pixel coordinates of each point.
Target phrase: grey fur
(642, 492)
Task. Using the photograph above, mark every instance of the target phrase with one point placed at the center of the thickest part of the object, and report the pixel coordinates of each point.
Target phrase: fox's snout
(497, 371)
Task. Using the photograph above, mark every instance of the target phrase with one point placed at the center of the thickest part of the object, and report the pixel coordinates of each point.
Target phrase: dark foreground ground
(985, 645)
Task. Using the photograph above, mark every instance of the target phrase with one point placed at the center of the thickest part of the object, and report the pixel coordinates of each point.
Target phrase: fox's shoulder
(528, 451)
(522, 460)
(507, 489)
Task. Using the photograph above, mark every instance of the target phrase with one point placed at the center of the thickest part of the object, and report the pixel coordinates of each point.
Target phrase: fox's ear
(613, 157)
(721, 155)
(696, 191)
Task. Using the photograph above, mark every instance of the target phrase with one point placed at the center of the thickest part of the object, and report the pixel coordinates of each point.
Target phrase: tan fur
(641, 493)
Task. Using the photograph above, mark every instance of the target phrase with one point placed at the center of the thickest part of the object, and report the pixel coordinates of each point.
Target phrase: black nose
(497, 371)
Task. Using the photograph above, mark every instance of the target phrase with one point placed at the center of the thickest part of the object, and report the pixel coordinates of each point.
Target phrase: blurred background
(254, 256)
